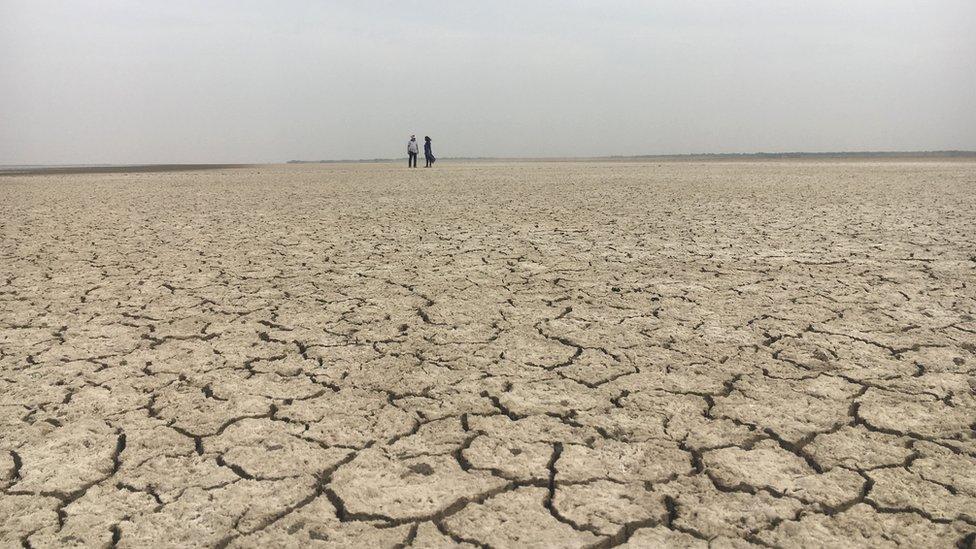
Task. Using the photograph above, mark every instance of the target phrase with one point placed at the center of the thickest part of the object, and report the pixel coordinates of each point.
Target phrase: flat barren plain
(676, 354)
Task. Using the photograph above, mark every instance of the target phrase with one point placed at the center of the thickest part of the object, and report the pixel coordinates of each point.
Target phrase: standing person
(428, 153)
(412, 150)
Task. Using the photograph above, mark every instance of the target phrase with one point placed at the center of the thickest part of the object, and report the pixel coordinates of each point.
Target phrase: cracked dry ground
(504, 355)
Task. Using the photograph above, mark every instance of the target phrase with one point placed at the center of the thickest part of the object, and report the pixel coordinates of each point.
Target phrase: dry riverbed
(505, 355)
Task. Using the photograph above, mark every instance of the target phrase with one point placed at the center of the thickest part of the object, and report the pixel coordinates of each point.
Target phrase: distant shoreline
(119, 168)
(704, 157)
(693, 157)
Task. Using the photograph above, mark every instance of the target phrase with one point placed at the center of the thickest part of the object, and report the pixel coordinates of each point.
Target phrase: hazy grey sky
(128, 81)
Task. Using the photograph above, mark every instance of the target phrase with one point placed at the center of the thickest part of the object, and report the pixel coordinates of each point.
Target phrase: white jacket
(412, 146)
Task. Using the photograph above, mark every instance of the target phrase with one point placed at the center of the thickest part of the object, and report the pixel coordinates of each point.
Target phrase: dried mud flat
(504, 355)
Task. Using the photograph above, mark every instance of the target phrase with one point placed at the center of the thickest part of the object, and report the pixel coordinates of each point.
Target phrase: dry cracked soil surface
(504, 355)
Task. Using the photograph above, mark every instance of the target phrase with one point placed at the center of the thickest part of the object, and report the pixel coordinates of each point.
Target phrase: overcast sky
(130, 81)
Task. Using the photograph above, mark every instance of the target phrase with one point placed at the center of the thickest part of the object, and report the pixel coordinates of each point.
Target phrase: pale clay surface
(504, 355)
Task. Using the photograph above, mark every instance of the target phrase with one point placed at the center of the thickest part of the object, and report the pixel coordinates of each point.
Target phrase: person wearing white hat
(412, 150)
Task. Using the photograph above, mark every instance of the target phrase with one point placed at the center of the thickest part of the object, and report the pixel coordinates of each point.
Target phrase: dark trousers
(430, 161)
(412, 161)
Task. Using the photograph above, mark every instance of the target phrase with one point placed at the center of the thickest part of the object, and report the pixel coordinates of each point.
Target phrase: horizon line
(942, 153)
(711, 155)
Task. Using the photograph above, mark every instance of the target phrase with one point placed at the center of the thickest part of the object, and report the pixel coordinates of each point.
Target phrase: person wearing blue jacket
(428, 152)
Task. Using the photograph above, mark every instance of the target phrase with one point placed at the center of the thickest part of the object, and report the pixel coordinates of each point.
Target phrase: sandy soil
(501, 355)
